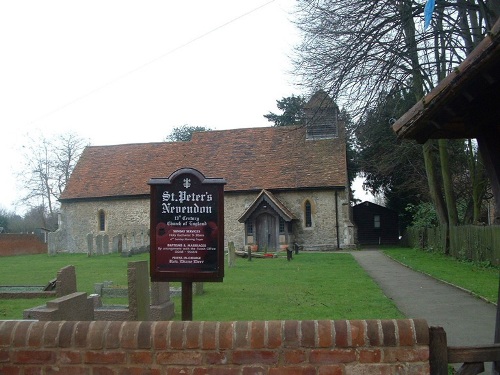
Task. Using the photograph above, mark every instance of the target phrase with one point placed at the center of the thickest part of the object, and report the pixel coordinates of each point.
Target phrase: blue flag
(429, 9)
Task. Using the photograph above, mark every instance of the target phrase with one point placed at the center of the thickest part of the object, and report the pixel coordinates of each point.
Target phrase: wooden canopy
(466, 104)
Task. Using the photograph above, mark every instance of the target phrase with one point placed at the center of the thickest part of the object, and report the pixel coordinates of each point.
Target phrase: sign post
(187, 231)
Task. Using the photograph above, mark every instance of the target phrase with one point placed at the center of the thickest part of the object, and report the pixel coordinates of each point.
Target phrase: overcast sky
(128, 71)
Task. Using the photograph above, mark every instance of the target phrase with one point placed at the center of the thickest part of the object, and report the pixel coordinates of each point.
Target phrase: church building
(284, 185)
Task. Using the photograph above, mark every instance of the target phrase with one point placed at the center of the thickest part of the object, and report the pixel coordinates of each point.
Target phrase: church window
(102, 221)
(282, 225)
(308, 214)
(249, 227)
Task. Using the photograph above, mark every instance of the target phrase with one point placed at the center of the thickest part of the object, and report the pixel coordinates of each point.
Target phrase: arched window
(102, 221)
(308, 214)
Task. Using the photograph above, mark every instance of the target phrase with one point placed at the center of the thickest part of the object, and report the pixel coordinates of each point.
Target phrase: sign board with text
(187, 227)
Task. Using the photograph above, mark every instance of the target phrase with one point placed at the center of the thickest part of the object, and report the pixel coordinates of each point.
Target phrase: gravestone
(105, 244)
(162, 308)
(134, 242)
(98, 244)
(138, 290)
(90, 244)
(198, 288)
(231, 254)
(66, 281)
(125, 243)
(117, 244)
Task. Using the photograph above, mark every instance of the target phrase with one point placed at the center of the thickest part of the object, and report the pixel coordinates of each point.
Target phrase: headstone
(98, 244)
(160, 292)
(161, 306)
(90, 244)
(142, 239)
(98, 288)
(125, 243)
(117, 244)
(51, 246)
(138, 290)
(105, 244)
(231, 254)
(66, 281)
(134, 242)
(198, 288)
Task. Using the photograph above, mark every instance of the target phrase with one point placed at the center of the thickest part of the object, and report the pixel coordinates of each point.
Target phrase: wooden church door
(266, 232)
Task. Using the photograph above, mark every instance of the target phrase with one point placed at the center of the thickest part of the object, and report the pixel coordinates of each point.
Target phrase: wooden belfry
(187, 231)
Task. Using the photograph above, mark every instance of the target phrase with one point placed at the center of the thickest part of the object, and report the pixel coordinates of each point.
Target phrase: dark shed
(377, 225)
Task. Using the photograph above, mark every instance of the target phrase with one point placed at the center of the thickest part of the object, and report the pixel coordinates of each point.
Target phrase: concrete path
(466, 319)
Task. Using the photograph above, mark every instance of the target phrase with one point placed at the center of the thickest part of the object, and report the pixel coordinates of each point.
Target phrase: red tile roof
(272, 158)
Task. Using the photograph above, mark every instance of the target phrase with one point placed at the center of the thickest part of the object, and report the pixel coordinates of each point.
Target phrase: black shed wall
(364, 216)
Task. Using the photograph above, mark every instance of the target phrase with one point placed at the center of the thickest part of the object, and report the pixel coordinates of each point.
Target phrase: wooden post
(438, 351)
(231, 254)
(187, 300)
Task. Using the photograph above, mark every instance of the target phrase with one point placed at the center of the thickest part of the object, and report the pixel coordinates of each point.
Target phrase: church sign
(187, 227)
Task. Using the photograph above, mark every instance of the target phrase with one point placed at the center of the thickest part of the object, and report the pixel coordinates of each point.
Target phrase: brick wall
(20, 244)
(195, 348)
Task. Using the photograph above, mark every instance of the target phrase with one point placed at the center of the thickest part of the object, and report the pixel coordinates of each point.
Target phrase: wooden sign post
(187, 231)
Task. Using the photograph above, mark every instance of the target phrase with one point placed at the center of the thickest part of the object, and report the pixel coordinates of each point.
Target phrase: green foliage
(424, 215)
(184, 133)
(292, 108)
(389, 166)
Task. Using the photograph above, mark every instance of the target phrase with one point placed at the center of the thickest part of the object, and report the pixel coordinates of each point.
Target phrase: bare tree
(358, 50)
(48, 164)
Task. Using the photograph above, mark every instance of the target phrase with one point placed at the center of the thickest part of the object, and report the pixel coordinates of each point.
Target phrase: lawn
(311, 286)
(480, 280)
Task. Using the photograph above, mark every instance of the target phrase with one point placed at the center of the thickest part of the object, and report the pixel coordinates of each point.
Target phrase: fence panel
(469, 242)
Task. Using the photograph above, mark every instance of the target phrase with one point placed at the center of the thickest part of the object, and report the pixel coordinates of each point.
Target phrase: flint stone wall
(79, 219)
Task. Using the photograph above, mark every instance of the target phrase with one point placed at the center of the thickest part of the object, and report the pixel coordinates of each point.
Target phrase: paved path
(466, 319)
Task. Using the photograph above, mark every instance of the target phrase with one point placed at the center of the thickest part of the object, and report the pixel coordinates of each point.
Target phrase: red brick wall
(257, 347)
(20, 244)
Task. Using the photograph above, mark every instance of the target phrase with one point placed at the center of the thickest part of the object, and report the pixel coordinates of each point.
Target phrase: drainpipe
(337, 218)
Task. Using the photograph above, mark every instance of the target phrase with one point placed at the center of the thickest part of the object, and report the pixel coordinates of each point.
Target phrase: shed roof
(251, 159)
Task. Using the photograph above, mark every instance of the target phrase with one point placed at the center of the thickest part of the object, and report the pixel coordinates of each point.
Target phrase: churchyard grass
(311, 286)
(481, 280)
(40, 269)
